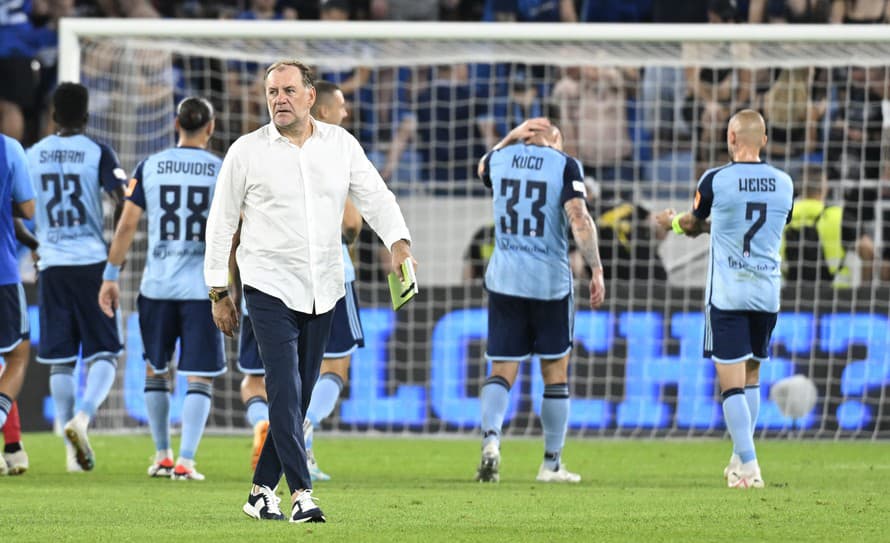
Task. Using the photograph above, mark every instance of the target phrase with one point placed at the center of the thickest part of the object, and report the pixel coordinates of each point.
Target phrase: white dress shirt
(292, 201)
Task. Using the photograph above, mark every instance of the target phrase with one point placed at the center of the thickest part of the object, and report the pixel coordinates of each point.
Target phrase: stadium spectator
(174, 183)
(517, 96)
(862, 215)
(530, 303)
(19, 67)
(274, 252)
(405, 10)
(592, 105)
(267, 10)
(356, 83)
(713, 92)
(69, 172)
(790, 11)
(793, 107)
(15, 344)
(857, 129)
(437, 114)
(663, 92)
(607, 11)
(812, 250)
(628, 240)
(530, 11)
(744, 283)
(860, 11)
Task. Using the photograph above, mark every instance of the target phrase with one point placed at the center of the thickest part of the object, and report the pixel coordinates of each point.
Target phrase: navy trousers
(292, 346)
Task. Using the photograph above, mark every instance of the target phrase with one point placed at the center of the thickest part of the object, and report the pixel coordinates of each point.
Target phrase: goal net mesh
(645, 119)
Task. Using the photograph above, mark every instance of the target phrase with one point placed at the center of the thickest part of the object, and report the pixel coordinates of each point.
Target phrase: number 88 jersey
(749, 204)
(68, 174)
(175, 188)
(530, 185)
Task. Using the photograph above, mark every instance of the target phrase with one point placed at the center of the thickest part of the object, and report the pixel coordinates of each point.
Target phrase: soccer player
(346, 329)
(175, 187)
(14, 457)
(68, 172)
(17, 197)
(749, 204)
(538, 192)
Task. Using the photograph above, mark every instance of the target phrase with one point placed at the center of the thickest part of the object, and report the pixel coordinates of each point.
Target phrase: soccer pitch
(423, 490)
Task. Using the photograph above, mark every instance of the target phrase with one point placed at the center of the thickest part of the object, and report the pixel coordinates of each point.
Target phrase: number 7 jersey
(68, 174)
(749, 204)
(175, 188)
(530, 185)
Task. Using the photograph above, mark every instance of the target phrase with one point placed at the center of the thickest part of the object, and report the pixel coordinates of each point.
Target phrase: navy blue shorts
(201, 348)
(736, 336)
(70, 318)
(14, 324)
(249, 361)
(521, 327)
(346, 328)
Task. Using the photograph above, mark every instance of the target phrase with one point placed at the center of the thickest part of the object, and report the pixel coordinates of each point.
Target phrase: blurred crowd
(425, 126)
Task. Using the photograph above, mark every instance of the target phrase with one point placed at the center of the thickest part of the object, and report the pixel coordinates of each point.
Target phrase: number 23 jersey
(175, 188)
(68, 174)
(530, 185)
(749, 204)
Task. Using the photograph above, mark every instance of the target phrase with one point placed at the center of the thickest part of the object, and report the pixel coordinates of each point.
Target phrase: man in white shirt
(289, 181)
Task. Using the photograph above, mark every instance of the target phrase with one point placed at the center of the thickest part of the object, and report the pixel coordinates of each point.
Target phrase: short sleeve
(111, 175)
(572, 181)
(22, 191)
(704, 196)
(485, 175)
(135, 192)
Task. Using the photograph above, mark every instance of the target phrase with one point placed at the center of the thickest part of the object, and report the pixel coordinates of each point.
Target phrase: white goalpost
(644, 107)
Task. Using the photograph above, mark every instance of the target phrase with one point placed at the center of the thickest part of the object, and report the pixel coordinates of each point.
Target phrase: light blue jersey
(15, 187)
(68, 174)
(175, 187)
(749, 204)
(531, 184)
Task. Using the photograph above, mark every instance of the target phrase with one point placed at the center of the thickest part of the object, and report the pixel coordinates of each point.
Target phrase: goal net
(644, 108)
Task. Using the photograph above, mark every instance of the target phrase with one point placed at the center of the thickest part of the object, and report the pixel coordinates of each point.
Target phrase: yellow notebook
(403, 291)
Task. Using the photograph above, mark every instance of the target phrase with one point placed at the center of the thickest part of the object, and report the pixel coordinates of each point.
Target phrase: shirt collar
(319, 129)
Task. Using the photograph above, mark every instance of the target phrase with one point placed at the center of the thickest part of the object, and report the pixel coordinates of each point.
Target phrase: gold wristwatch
(217, 295)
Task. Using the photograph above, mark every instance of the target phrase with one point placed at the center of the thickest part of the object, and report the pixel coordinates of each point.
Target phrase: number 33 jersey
(68, 174)
(530, 185)
(749, 204)
(175, 188)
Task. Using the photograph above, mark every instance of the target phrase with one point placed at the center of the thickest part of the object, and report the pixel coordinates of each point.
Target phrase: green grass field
(422, 490)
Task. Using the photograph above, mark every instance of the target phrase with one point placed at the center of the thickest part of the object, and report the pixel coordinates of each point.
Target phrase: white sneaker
(16, 462)
(185, 471)
(262, 504)
(76, 432)
(734, 464)
(561, 475)
(162, 465)
(746, 476)
(490, 464)
(305, 509)
(315, 472)
(71, 464)
(4, 469)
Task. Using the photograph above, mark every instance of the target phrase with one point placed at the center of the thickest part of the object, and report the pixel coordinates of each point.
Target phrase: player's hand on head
(109, 297)
(597, 289)
(529, 128)
(225, 316)
(664, 218)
